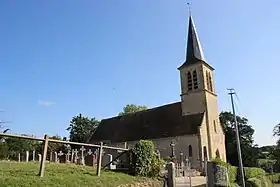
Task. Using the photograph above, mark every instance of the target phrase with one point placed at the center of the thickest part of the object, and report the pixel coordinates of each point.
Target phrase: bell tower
(198, 92)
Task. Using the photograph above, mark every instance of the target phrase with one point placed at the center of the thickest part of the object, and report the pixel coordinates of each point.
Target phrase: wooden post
(99, 159)
(43, 160)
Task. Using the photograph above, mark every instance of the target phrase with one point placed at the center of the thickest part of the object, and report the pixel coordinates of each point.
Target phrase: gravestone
(109, 159)
(19, 157)
(26, 156)
(82, 158)
(33, 156)
(72, 156)
(61, 158)
(89, 158)
(55, 157)
(76, 156)
(51, 157)
(40, 157)
(68, 156)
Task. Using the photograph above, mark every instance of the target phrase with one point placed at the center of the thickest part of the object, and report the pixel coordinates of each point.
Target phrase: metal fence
(183, 170)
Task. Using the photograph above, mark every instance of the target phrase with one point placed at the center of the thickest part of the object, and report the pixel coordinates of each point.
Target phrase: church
(191, 125)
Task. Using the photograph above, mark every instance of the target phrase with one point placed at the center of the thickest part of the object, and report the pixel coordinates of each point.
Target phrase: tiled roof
(159, 122)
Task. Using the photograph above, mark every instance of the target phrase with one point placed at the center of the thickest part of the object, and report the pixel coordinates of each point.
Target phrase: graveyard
(24, 174)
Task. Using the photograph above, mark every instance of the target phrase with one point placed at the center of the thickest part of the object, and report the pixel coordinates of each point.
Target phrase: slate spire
(194, 51)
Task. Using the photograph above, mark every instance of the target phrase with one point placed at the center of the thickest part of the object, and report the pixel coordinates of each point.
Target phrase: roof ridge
(142, 111)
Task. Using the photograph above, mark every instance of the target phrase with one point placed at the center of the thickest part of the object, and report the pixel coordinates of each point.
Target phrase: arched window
(210, 83)
(190, 151)
(218, 154)
(195, 84)
(205, 153)
(215, 127)
(207, 80)
(189, 81)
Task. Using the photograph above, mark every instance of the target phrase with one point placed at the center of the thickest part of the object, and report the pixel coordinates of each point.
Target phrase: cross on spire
(189, 6)
(194, 52)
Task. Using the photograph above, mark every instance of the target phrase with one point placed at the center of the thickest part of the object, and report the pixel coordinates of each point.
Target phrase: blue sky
(60, 58)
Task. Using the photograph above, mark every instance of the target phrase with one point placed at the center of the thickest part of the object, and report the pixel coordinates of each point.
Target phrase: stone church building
(191, 124)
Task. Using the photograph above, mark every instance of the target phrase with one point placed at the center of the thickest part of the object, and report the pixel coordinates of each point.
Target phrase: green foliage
(232, 170)
(166, 159)
(276, 130)
(10, 147)
(145, 162)
(81, 128)
(266, 164)
(251, 172)
(131, 108)
(275, 178)
(157, 165)
(249, 151)
(233, 185)
(260, 181)
(14, 174)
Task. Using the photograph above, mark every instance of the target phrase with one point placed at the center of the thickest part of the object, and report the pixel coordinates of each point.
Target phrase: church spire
(194, 51)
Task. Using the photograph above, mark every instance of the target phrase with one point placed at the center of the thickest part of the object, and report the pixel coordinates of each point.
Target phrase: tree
(81, 128)
(248, 149)
(131, 108)
(11, 146)
(276, 130)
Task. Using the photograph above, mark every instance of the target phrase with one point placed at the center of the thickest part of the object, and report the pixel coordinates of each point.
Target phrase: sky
(62, 58)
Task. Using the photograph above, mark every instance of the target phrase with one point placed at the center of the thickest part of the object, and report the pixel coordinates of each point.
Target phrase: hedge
(269, 165)
(275, 178)
(255, 175)
(251, 172)
(259, 181)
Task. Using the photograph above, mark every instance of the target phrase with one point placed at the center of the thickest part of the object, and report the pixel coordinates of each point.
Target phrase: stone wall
(182, 143)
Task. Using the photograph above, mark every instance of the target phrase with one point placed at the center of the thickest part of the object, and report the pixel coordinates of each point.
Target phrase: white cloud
(46, 103)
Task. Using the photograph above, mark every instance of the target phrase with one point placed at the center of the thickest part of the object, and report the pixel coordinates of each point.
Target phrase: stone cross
(68, 156)
(40, 157)
(90, 152)
(76, 156)
(55, 157)
(82, 155)
(172, 150)
(33, 156)
(26, 156)
(19, 157)
(60, 154)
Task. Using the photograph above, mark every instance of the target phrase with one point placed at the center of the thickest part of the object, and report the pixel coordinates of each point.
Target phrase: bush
(275, 178)
(260, 181)
(233, 185)
(145, 162)
(251, 172)
(232, 170)
(156, 166)
(267, 164)
(220, 175)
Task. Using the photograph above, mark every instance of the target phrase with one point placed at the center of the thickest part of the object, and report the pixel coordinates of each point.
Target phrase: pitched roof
(194, 51)
(160, 122)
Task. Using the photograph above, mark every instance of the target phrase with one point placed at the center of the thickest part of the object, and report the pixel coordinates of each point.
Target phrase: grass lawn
(14, 174)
